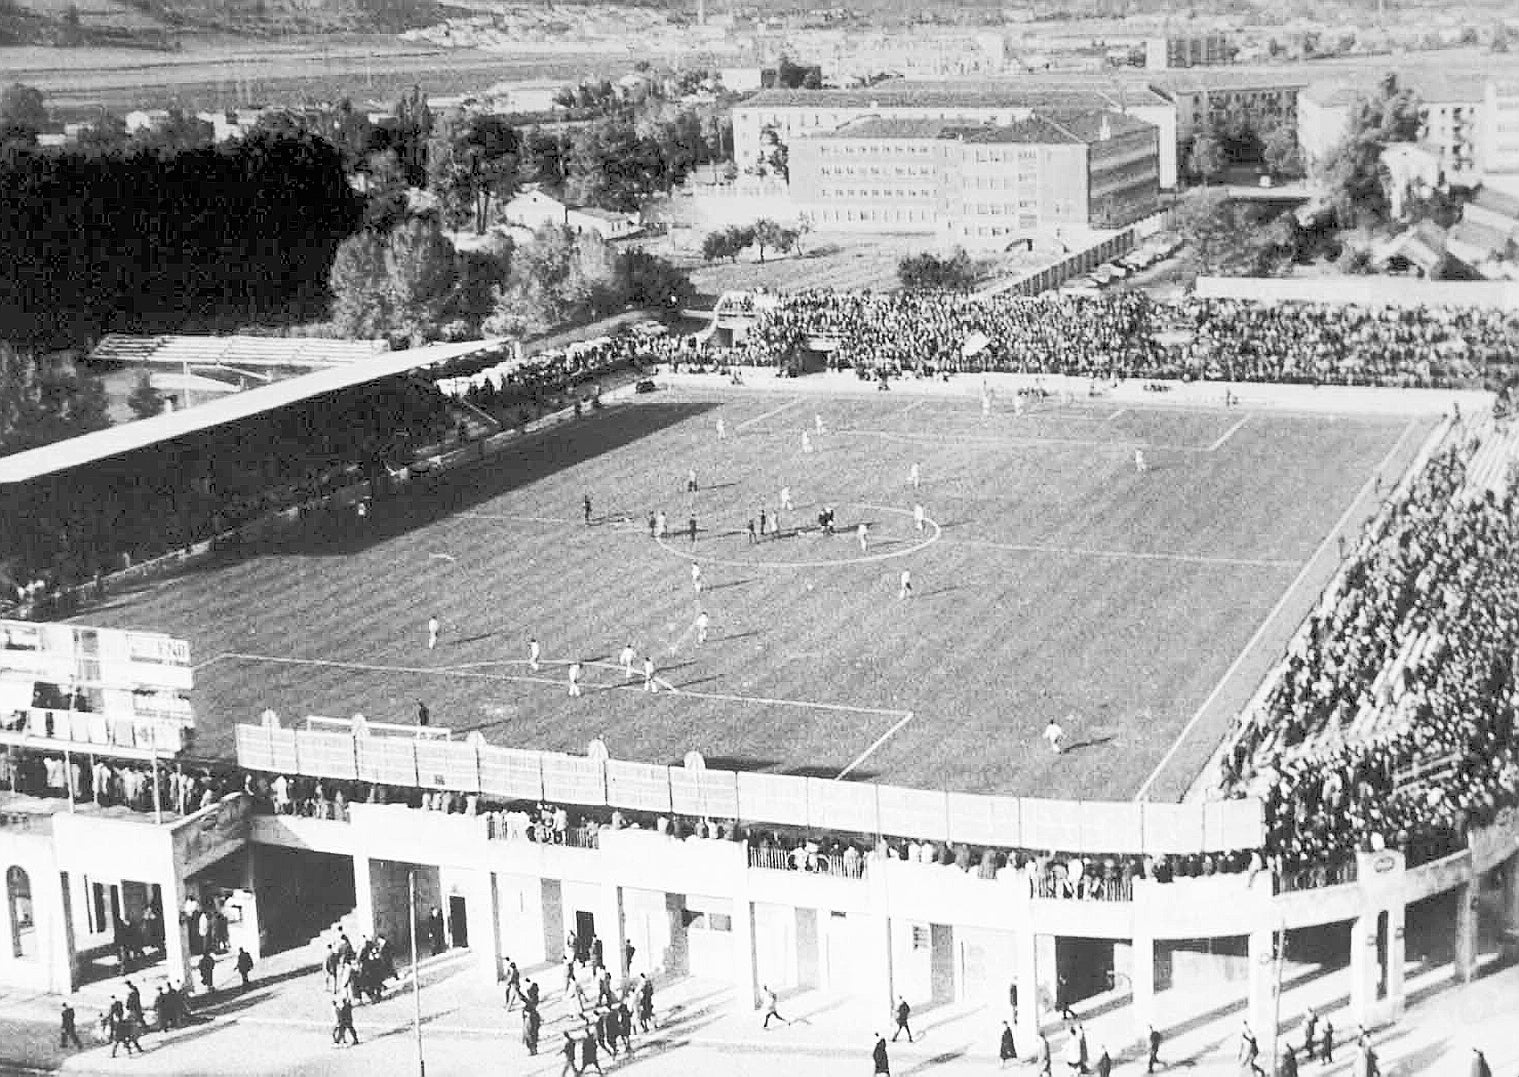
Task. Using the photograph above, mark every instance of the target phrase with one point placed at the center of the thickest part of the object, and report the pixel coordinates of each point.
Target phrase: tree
(360, 283)
(651, 281)
(804, 227)
(928, 272)
(471, 164)
(145, 401)
(419, 263)
(1206, 158)
(1281, 152)
(1226, 238)
(768, 234)
(108, 134)
(385, 192)
(23, 113)
(410, 133)
(177, 133)
(39, 406)
(540, 157)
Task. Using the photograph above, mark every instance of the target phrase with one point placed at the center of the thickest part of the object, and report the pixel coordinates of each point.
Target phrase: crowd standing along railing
(1138, 828)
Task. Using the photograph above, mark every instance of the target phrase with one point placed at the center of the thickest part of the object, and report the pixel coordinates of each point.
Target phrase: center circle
(670, 543)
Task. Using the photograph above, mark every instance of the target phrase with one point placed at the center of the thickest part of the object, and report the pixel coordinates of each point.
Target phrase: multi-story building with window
(1265, 97)
(790, 115)
(1188, 50)
(979, 184)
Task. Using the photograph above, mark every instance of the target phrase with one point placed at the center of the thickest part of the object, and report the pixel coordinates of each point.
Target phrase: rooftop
(1034, 130)
(1491, 198)
(1039, 94)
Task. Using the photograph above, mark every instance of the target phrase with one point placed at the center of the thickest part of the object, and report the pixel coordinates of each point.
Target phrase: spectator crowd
(1413, 655)
(1129, 334)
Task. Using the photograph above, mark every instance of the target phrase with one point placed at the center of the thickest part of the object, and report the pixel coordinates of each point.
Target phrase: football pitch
(1050, 579)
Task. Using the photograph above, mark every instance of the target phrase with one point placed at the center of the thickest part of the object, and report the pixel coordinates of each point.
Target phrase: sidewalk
(282, 1025)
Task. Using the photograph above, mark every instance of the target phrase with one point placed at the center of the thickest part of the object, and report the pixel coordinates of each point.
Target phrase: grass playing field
(1050, 580)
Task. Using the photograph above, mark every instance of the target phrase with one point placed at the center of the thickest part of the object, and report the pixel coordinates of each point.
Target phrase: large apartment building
(979, 184)
(789, 115)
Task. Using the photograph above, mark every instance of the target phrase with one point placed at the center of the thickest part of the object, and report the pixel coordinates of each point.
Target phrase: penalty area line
(769, 414)
(868, 752)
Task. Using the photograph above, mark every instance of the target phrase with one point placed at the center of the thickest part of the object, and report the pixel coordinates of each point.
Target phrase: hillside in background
(160, 24)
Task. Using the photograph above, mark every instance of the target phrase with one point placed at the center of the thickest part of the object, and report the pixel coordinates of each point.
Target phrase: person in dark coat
(531, 1023)
(904, 1011)
(435, 930)
(207, 965)
(1154, 1050)
(588, 1057)
(1007, 1050)
(1288, 1066)
(1326, 1045)
(343, 1010)
(1310, 1033)
(67, 1032)
(571, 1052)
(244, 965)
(1104, 1064)
(879, 1056)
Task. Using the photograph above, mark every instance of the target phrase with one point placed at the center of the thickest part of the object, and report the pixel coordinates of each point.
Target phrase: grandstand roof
(235, 350)
(116, 440)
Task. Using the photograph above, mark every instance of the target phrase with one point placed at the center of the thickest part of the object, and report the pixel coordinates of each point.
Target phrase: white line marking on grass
(1226, 435)
(514, 517)
(769, 414)
(1138, 555)
(882, 739)
(1019, 441)
(910, 407)
(1116, 414)
(1334, 532)
(208, 662)
(842, 708)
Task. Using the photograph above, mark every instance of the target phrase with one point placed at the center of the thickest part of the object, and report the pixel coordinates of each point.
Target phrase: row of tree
(411, 286)
(42, 403)
(763, 235)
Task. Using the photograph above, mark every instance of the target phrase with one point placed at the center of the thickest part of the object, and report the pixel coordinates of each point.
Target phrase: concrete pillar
(1511, 898)
(178, 961)
(1142, 974)
(363, 903)
(884, 975)
(1031, 1006)
(1392, 1005)
(745, 990)
(1466, 931)
(62, 952)
(485, 929)
(1261, 1011)
(1363, 969)
(610, 928)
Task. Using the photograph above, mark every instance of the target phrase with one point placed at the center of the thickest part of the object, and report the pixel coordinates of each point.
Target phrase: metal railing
(1317, 876)
(1055, 888)
(838, 865)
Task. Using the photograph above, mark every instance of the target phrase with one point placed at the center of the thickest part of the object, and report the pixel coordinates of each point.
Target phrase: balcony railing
(775, 859)
(1316, 877)
(1053, 888)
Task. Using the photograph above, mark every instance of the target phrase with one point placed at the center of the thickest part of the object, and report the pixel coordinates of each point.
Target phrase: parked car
(645, 386)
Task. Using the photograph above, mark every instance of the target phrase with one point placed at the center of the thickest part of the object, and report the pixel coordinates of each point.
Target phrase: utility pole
(416, 975)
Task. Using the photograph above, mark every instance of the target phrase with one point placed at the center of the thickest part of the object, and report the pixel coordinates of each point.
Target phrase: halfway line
(1227, 434)
(761, 418)
(882, 739)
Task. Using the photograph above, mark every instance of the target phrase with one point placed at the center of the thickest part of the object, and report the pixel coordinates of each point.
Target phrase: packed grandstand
(1410, 660)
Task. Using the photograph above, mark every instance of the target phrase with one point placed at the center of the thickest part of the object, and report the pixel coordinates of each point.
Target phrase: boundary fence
(1077, 826)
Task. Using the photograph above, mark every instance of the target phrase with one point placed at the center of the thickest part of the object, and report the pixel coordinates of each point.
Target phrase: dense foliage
(145, 242)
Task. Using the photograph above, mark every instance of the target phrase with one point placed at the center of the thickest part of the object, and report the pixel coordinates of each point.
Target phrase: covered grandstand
(118, 496)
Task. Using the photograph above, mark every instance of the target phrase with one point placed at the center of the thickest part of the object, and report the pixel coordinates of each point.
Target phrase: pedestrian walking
(342, 1008)
(588, 1059)
(571, 1052)
(1154, 1039)
(67, 1032)
(1288, 1065)
(531, 1024)
(626, 658)
(513, 983)
(702, 621)
(648, 675)
(628, 950)
(752, 537)
(435, 930)
(574, 674)
(1326, 1045)
(424, 716)
(904, 1011)
(1104, 1064)
(771, 1007)
(1310, 1029)
(533, 651)
(880, 1057)
(207, 967)
(1007, 1046)
(244, 964)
